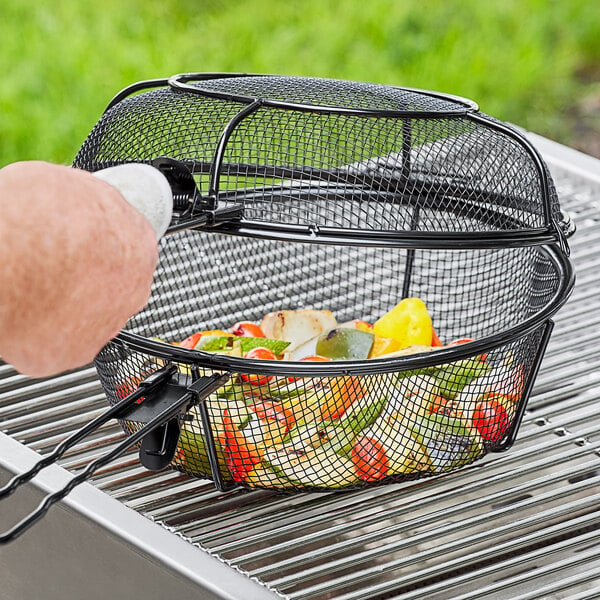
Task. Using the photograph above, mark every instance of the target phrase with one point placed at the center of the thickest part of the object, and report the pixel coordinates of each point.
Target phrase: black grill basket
(295, 195)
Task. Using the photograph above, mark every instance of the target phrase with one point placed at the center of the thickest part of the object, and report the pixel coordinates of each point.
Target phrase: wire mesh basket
(303, 201)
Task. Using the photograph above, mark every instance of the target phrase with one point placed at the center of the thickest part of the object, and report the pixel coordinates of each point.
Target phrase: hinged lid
(334, 161)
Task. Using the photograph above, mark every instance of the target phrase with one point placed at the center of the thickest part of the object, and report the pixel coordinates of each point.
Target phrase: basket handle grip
(199, 390)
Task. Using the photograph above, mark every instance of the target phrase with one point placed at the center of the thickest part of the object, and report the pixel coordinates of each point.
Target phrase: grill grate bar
(15, 387)
(62, 426)
(431, 535)
(13, 413)
(487, 531)
(589, 576)
(589, 593)
(578, 559)
(28, 424)
(489, 552)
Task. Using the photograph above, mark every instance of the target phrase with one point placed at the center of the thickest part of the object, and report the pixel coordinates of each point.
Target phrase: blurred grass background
(535, 63)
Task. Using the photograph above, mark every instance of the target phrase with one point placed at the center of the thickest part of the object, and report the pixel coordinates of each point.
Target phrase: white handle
(146, 189)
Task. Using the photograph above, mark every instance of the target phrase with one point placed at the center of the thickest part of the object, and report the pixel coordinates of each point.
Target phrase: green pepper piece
(276, 346)
(193, 453)
(453, 377)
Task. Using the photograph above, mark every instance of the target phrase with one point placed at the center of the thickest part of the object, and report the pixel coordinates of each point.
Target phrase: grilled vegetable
(259, 353)
(449, 442)
(241, 454)
(294, 431)
(369, 459)
(297, 326)
(345, 344)
(408, 323)
(390, 443)
(199, 338)
(382, 346)
(264, 475)
(453, 377)
(192, 454)
(271, 424)
(319, 468)
(238, 344)
(342, 393)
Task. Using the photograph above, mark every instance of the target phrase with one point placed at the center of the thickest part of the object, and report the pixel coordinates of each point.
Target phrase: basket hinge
(192, 209)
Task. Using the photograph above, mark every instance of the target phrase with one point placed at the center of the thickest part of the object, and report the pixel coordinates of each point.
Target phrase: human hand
(76, 261)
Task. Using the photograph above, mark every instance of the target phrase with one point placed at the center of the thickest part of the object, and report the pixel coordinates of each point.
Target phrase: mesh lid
(324, 94)
(334, 161)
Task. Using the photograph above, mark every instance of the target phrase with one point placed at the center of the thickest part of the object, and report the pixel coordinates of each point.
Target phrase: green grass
(522, 61)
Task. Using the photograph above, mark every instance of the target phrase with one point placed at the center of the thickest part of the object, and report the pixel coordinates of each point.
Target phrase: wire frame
(345, 424)
(323, 158)
(352, 196)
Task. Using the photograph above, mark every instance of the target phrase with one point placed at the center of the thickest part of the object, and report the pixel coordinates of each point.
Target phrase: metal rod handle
(149, 385)
(92, 467)
(115, 412)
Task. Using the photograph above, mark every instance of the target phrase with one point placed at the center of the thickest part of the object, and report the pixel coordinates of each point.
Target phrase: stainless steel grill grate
(525, 526)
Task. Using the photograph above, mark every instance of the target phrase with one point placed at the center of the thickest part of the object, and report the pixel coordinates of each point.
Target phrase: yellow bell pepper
(383, 345)
(408, 323)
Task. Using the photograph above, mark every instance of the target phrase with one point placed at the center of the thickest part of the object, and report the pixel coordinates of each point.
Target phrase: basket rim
(221, 362)
(181, 81)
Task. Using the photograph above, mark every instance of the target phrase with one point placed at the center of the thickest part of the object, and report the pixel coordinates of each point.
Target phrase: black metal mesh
(285, 431)
(322, 167)
(334, 93)
(303, 433)
(211, 281)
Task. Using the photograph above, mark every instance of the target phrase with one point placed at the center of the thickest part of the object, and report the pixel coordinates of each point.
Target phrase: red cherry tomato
(191, 341)
(481, 357)
(247, 329)
(313, 358)
(369, 458)
(491, 419)
(273, 411)
(260, 353)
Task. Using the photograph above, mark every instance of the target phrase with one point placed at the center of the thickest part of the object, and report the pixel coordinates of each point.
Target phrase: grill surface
(520, 525)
